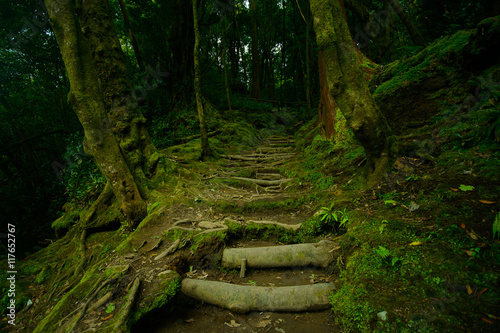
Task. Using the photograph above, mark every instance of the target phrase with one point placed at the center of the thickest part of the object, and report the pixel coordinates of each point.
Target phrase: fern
(383, 252)
(496, 226)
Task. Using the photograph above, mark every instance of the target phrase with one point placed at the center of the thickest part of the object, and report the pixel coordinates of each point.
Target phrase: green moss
(44, 274)
(165, 292)
(62, 224)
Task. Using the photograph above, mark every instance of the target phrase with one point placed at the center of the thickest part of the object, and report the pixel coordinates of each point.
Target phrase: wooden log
(317, 254)
(243, 299)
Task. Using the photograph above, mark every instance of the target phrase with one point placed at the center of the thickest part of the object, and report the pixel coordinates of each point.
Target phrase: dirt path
(248, 178)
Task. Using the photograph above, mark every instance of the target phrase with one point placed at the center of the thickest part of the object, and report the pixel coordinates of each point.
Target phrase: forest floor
(418, 248)
(234, 196)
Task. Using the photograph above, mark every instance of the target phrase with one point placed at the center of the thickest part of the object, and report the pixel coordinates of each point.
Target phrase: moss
(44, 274)
(163, 292)
(64, 223)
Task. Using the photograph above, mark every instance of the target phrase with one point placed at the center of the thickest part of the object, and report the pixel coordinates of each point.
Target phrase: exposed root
(293, 227)
(170, 250)
(261, 182)
(132, 294)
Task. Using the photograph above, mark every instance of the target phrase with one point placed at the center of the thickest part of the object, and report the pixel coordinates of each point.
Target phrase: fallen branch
(280, 256)
(250, 298)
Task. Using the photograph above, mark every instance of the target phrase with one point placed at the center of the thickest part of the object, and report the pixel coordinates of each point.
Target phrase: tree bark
(255, 93)
(205, 148)
(405, 18)
(350, 90)
(86, 98)
(122, 110)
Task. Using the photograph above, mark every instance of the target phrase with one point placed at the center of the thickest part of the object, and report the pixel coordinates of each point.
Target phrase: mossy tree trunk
(205, 147)
(86, 98)
(122, 110)
(350, 90)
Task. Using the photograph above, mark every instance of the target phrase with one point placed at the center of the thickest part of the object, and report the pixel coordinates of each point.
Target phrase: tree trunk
(224, 62)
(405, 18)
(255, 52)
(309, 48)
(131, 34)
(125, 117)
(350, 90)
(327, 110)
(86, 98)
(205, 148)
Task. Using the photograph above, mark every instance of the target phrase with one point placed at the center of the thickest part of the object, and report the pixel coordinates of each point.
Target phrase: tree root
(293, 227)
(170, 250)
(82, 249)
(250, 298)
(256, 158)
(132, 294)
(260, 182)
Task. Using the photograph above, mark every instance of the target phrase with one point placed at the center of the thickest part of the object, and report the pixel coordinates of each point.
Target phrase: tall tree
(122, 110)
(350, 90)
(205, 148)
(415, 35)
(255, 92)
(88, 102)
(131, 34)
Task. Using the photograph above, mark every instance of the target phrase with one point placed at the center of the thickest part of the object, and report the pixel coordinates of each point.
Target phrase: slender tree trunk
(350, 90)
(125, 117)
(224, 62)
(205, 148)
(255, 52)
(86, 98)
(131, 34)
(309, 48)
(415, 35)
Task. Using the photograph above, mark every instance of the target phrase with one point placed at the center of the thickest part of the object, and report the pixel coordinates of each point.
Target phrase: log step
(243, 299)
(313, 254)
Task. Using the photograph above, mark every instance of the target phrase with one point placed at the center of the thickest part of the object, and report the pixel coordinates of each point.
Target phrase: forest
(250, 166)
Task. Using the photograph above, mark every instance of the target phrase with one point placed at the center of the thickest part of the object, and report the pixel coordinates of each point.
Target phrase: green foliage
(496, 227)
(82, 178)
(466, 188)
(336, 219)
(110, 308)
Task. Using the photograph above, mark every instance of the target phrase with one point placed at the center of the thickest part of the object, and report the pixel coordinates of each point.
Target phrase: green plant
(382, 226)
(386, 255)
(466, 188)
(330, 216)
(412, 177)
(496, 226)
